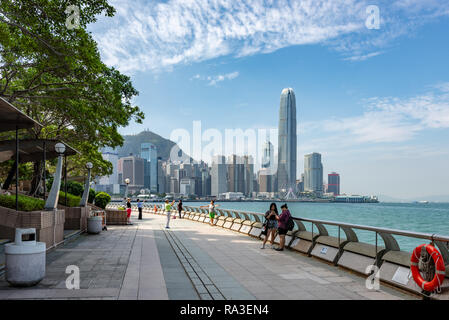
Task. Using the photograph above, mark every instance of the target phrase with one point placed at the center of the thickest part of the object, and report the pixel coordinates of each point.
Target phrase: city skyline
(374, 102)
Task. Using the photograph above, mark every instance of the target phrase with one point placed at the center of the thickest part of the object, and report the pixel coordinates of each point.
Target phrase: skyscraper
(148, 151)
(218, 175)
(313, 173)
(286, 171)
(333, 183)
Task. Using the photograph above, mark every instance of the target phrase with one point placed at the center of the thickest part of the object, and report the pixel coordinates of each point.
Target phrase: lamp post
(85, 197)
(127, 181)
(52, 201)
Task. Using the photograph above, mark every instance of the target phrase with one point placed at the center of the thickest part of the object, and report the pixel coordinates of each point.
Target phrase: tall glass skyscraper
(286, 171)
(148, 151)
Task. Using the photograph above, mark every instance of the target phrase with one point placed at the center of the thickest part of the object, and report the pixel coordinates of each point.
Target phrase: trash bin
(94, 224)
(25, 259)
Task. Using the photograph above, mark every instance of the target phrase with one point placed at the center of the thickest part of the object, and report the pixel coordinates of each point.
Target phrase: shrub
(92, 194)
(102, 199)
(72, 201)
(25, 203)
(73, 187)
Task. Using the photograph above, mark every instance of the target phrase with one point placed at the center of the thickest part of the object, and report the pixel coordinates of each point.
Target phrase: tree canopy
(55, 75)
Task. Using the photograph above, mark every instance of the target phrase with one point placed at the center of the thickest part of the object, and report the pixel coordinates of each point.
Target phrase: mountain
(132, 144)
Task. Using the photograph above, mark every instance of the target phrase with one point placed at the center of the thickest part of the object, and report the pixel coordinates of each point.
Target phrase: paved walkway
(191, 260)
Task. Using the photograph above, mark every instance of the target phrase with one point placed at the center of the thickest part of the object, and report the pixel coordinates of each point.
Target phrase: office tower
(218, 176)
(205, 183)
(109, 183)
(300, 184)
(286, 170)
(187, 186)
(268, 155)
(333, 183)
(132, 168)
(161, 178)
(265, 183)
(248, 175)
(174, 185)
(148, 151)
(111, 156)
(313, 173)
(236, 174)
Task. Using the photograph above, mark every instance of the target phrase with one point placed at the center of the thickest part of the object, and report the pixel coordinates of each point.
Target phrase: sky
(371, 83)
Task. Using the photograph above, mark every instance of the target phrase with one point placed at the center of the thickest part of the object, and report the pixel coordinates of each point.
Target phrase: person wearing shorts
(282, 230)
(212, 213)
(272, 218)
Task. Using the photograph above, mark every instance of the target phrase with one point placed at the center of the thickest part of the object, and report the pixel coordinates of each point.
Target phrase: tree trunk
(37, 177)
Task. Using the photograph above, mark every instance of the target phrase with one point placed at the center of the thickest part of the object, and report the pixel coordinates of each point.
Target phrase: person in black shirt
(180, 208)
(272, 218)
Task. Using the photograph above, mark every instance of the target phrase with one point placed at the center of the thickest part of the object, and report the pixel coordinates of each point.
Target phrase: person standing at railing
(168, 207)
(282, 230)
(180, 208)
(128, 211)
(139, 207)
(271, 222)
(212, 212)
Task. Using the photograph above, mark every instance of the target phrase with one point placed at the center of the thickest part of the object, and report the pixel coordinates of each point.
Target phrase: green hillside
(132, 144)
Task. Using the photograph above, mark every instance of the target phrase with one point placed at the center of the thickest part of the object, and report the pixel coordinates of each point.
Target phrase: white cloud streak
(147, 35)
(388, 120)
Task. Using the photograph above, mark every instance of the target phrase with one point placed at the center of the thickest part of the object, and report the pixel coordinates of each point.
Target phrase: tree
(56, 76)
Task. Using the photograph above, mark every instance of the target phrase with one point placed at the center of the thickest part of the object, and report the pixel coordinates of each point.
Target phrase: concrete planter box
(76, 218)
(49, 225)
(116, 217)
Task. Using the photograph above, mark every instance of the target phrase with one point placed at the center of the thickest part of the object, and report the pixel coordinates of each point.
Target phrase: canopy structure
(33, 150)
(12, 118)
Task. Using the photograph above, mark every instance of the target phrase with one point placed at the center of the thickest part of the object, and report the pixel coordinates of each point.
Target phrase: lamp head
(60, 148)
(89, 165)
(127, 181)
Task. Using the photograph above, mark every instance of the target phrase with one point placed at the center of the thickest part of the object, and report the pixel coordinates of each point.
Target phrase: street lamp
(127, 181)
(85, 197)
(52, 200)
(60, 148)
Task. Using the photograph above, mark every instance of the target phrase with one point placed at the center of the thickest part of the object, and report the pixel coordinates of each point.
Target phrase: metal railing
(319, 229)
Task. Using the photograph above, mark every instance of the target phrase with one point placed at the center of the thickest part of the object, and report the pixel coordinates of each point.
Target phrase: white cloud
(387, 120)
(213, 80)
(147, 35)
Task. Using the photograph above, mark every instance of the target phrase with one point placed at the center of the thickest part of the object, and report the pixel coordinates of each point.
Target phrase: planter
(49, 225)
(94, 225)
(76, 218)
(116, 217)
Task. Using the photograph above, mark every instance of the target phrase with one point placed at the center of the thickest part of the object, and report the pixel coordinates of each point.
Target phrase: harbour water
(428, 218)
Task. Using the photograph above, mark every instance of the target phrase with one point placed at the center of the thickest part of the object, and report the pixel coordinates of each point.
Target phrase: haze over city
(373, 102)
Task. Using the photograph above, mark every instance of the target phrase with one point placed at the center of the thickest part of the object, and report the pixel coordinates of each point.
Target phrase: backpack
(290, 223)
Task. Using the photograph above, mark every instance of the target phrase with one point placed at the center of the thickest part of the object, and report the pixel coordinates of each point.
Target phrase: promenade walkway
(191, 260)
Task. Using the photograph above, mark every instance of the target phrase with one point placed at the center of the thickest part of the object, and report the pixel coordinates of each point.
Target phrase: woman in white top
(211, 211)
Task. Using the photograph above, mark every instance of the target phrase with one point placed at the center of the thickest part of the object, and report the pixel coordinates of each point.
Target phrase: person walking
(282, 230)
(272, 218)
(180, 208)
(168, 207)
(128, 211)
(139, 207)
(212, 212)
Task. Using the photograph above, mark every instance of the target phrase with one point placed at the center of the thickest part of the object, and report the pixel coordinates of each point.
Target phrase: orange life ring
(440, 273)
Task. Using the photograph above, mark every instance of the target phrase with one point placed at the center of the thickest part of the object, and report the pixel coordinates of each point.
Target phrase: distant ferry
(356, 199)
(422, 202)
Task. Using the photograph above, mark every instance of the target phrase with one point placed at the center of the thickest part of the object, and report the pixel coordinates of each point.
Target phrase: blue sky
(374, 102)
